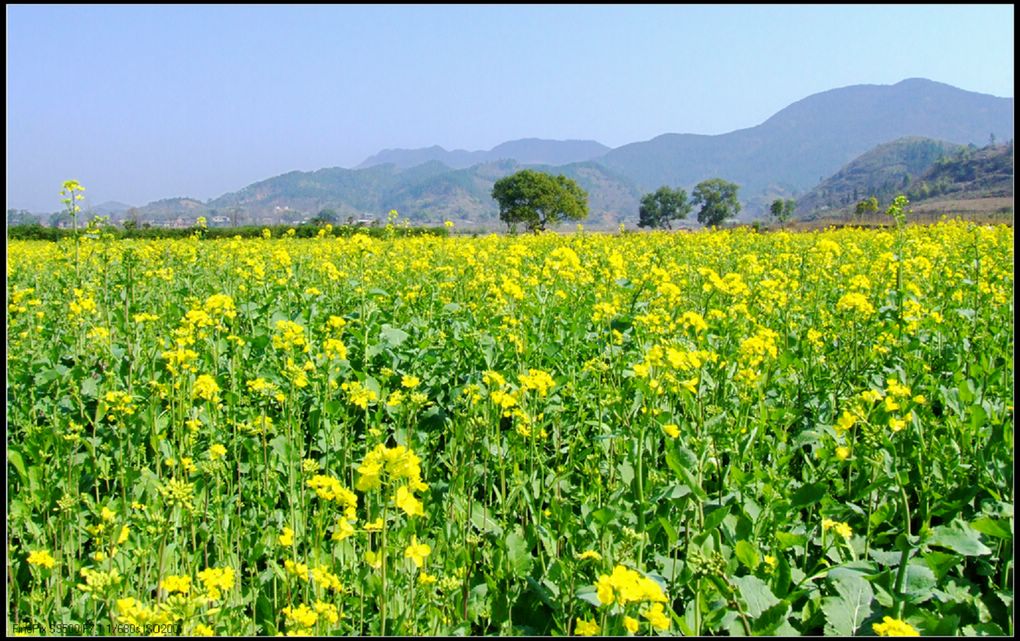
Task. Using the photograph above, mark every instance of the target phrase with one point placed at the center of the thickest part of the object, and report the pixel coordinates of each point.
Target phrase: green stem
(901, 576)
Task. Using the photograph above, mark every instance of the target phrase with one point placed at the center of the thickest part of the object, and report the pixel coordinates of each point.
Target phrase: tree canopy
(718, 201)
(866, 206)
(536, 199)
(326, 216)
(658, 209)
(782, 209)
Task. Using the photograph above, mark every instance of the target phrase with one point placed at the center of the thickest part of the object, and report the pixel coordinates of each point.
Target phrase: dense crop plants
(718, 432)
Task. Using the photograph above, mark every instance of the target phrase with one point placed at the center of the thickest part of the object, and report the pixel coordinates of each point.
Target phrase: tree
(868, 205)
(21, 217)
(782, 210)
(718, 200)
(326, 216)
(536, 199)
(133, 217)
(659, 208)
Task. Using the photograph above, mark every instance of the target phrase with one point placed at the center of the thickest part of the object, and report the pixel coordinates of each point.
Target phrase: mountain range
(786, 156)
(525, 151)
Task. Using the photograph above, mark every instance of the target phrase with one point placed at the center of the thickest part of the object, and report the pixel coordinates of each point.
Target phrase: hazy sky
(140, 103)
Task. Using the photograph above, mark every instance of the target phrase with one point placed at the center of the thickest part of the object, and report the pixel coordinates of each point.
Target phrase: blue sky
(140, 103)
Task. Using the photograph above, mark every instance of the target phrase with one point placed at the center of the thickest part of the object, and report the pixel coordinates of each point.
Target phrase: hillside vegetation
(927, 171)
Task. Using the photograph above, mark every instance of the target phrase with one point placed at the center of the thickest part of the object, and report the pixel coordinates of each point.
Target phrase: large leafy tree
(718, 201)
(658, 209)
(537, 200)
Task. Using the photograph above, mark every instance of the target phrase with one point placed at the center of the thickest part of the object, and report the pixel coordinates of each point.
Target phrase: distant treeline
(39, 232)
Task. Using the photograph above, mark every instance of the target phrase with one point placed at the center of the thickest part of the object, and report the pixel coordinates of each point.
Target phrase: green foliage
(866, 206)
(536, 199)
(896, 210)
(985, 172)
(881, 171)
(39, 232)
(658, 209)
(782, 209)
(20, 217)
(718, 200)
(326, 216)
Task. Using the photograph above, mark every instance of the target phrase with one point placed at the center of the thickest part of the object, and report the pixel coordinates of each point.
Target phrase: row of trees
(718, 201)
(716, 197)
(537, 200)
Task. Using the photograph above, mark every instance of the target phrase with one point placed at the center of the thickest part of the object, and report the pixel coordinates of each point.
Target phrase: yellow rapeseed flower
(206, 388)
(631, 624)
(175, 583)
(42, 558)
(586, 628)
(287, 538)
(843, 529)
(890, 627)
(417, 551)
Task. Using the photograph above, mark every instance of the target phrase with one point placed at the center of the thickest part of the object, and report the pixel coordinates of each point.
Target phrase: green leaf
(959, 537)
(89, 388)
(756, 594)
(941, 562)
(519, 553)
(808, 494)
(715, 517)
(983, 630)
(264, 615)
(589, 595)
(671, 533)
(978, 417)
(284, 450)
(747, 553)
(788, 540)
(992, 527)
(393, 336)
(46, 376)
(846, 613)
(682, 461)
(769, 620)
(15, 459)
(920, 582)
(484, 521)
(669, 568)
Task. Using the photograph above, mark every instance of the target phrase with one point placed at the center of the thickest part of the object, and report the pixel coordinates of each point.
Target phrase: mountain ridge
(524, 150)
(785, 156)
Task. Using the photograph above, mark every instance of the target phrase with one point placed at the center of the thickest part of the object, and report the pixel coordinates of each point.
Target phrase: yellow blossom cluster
(394, 465)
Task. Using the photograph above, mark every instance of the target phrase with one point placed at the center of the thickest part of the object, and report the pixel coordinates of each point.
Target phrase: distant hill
(430, 192)
(882, 172)
(812, 138)
(110, 208)
(527, 151)
(928, 172)
(969, 173)
(172, 208)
